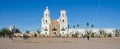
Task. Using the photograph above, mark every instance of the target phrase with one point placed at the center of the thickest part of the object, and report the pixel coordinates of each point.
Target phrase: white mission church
(60, 26)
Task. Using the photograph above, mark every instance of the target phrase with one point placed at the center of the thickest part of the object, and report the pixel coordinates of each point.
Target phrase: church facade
(57, 27)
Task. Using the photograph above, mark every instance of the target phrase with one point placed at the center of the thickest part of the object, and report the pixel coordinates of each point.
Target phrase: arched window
(46, 21)
(46, 14)
(46, 29)
(63, 20)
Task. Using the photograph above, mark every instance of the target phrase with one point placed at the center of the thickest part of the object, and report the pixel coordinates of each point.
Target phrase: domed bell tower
(63, 22)
(46, 22)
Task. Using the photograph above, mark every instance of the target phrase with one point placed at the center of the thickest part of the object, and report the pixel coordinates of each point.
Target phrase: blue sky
(27, 14)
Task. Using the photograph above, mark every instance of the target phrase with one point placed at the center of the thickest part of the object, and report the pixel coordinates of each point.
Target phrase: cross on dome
(47, 8)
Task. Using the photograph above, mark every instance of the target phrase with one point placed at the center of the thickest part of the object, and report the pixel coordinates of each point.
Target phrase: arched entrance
(54, 28)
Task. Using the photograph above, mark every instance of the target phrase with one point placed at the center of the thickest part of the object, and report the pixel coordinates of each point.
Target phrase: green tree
(87, 24)
(76, 35)
(74, 26)
(117, 32)
(38, 31)
(109, 35)
(5, 32)
(0, 34)
(77, 25)
(17, 31)
(101, 32)
(92, 25)
(92, 34)
(27, 31)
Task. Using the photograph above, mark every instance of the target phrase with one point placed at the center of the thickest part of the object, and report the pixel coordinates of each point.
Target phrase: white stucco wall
(94, 30)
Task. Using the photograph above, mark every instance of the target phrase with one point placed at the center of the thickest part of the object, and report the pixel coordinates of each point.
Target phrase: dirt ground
(60, 43)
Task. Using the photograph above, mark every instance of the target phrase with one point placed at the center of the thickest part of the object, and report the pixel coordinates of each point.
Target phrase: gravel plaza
(60, 43)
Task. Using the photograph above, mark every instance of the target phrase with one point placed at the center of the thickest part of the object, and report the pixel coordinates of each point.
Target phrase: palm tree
(92, 25)
(117, 32)
(74, 26)
(77, 25)
(87, 24)
(102, 33)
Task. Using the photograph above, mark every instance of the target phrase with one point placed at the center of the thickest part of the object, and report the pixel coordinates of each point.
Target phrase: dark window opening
(54, 29)
(54, 32)
(46, 29)
(46, 21)
(63, 29)
(46, 14)
(62, 20)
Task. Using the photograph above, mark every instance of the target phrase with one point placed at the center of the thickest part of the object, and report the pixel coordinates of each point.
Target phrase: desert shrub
(85, 35)
(73, 35)
(92, 34)
(109, 35)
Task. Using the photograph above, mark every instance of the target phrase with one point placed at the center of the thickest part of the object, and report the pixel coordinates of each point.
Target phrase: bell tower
(46, 22)
(46, 12)
(63, 20)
